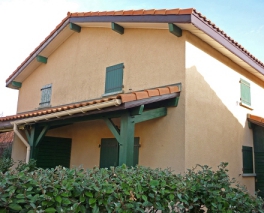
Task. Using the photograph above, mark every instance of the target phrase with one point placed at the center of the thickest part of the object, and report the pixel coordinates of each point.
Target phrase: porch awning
(113, 103)
(256, 120)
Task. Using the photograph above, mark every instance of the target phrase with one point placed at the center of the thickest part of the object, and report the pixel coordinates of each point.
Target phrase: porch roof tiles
(256, 119)
(127, 97)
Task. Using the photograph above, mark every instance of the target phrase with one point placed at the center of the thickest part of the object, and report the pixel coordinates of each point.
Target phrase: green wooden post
(34, 137)
(127, 131)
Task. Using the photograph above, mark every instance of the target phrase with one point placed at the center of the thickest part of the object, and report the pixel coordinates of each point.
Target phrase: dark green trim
(42, 59)
(249, 125)
(35, 134)
(75, 27)
(113, 128)
(247, 159)
(117, 28)
(127, 132)
(137, 110)
(16, 84)
(42, 134)
(175, 30)
(173, 102)
(151, 114)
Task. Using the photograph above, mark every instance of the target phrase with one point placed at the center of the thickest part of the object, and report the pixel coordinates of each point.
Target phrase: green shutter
(53, 151)
(114, 78)
(45, 95)
(247, 159)
(245, 96)
(109, 152)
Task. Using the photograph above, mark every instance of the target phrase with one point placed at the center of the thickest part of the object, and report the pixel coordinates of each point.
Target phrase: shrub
(5, 160)
(28, 167)
(5, 164)
(123, 189)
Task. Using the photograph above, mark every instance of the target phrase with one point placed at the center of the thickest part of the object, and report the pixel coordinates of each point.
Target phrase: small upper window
(45, 96)
(245, 96)
(114, 79)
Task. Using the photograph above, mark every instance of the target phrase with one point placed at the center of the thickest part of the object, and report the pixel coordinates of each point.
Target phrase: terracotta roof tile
(149, 12)
(6, 137)
(256, 118)
(127, 97)
(152, 92)
(141, 95)
(160, 12)
(176, 11)
(128, 12)
(172, 12)
(138, 12)
(163, 91)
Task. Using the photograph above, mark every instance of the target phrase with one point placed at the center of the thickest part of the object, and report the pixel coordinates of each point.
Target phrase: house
(6, 140)
(158, 88)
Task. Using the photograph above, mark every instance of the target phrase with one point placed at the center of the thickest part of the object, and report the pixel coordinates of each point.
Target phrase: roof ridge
(142, 12)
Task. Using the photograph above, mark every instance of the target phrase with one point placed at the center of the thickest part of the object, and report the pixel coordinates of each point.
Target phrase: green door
(258, 135)
(110, 151)
(53, 151)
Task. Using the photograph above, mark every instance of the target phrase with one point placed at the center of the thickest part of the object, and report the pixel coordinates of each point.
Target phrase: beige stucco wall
(161, 140)
(215, 123)
(77, 68)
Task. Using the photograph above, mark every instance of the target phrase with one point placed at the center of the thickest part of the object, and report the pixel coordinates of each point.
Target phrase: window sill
(246, 106)
(249, 175)
(112, 93)
(46, 106)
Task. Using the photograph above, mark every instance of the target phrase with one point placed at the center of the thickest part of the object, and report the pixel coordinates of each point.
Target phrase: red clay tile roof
(6, 137)
(142, 12)
(123, 97)
(256, 119)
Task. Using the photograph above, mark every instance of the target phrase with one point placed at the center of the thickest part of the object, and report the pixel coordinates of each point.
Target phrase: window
(245, 97)
(114, 79)
(247, 159)
(45, 96)
(109, 153)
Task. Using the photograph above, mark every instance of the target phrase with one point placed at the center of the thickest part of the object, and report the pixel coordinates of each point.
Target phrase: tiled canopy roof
(128, 97)
(256, 119)
(6, 137)
(190, 11)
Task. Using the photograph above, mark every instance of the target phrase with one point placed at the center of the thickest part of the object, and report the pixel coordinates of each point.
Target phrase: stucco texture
(77, 68)
(215, 124)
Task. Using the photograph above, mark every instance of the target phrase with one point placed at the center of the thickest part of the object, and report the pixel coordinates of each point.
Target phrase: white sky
(26, 23)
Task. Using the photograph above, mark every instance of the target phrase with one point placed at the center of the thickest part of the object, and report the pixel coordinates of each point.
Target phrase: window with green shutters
(247, 159)
(114, 79)
(110, 152)
(45, 96)
(245, 96)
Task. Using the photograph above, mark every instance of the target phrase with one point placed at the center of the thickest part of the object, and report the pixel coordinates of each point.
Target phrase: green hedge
(123, 189)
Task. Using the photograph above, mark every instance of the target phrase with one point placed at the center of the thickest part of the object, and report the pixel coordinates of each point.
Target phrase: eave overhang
(253, 119)
(188, 20)
(149, 98)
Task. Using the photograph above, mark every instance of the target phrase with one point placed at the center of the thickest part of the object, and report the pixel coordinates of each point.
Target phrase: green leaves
(123, 189)
(15, 207)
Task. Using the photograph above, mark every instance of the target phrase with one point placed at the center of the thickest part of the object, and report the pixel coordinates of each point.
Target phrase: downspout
(23, 140)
